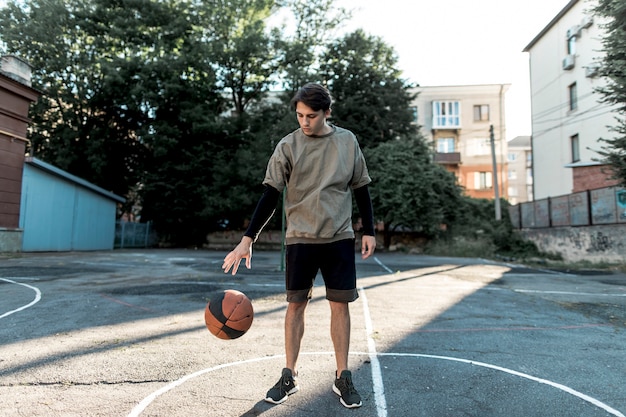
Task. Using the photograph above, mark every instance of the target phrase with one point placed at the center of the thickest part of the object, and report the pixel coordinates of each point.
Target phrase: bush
(476, 233)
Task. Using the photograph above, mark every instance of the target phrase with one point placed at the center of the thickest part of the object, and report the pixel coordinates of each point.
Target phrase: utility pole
(495, 174)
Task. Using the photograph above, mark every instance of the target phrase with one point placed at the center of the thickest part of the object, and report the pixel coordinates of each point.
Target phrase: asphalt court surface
(121, 333)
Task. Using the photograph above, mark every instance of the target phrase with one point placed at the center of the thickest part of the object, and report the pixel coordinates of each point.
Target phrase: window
(571, 45)
(512, 156)
(512, 192)
(414, 114)
(482, 180)
(573, 97)
(445, 145)
(575, 144)
(446, 114)
(529, 176)
(512, 174)
(478, 146)
(481, 113)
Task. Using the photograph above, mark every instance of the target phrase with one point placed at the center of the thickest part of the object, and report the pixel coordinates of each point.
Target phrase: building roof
(519, 142)
(72, 178)
(549, 26)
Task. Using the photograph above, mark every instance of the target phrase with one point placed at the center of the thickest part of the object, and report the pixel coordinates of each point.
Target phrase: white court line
(491, 288)
(383, 265)
(377, 376)
(35, 301)
(381, 403)
(561, 387)
(139, 408)
(570, 293)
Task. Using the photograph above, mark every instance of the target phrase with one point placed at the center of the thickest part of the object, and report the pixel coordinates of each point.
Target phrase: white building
(520, 173)
(567, 117)
(457, 121)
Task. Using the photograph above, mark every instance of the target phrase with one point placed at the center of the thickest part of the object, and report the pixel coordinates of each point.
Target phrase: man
(318, 164)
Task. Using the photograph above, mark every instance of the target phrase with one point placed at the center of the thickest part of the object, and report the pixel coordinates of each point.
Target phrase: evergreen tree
(613, 67)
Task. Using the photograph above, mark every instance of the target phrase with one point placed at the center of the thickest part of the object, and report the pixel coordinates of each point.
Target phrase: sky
(460, 42)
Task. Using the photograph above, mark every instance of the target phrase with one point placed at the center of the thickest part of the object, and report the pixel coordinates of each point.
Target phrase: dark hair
(316, 96)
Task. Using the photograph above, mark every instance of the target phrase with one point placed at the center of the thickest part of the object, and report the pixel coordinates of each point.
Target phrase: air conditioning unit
(586, 22)
(592, 70)
(568, 62)
(572, 32)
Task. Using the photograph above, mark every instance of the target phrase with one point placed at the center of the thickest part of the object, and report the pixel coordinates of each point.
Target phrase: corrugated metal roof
(63, 174)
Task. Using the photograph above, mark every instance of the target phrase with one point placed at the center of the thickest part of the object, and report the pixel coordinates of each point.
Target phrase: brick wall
(592, 177)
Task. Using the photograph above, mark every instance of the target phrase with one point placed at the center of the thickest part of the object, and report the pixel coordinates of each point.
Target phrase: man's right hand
(243, 250)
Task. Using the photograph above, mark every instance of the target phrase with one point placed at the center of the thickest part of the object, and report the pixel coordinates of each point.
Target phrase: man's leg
(294, 330)
(340, 333)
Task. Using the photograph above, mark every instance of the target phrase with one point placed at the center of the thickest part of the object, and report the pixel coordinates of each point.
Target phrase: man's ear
(327, 113)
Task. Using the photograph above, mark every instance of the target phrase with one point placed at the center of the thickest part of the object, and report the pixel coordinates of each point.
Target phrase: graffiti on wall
(576, 239)
(594, 242)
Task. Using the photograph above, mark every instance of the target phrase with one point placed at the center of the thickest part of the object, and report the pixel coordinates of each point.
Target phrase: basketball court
(122, 333)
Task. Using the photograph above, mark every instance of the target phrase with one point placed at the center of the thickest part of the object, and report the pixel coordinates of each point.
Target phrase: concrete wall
(589, 243)
(10, 240)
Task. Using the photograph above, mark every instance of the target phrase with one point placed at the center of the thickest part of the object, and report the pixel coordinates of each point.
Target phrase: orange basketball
(229, 314)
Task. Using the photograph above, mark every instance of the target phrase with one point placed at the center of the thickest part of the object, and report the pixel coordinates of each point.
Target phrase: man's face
(312, 122)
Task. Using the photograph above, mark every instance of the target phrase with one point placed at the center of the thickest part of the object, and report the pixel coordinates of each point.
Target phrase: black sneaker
(285, 386)
(347, 393)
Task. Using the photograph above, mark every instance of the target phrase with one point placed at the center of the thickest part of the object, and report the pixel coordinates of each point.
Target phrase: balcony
(450, 158)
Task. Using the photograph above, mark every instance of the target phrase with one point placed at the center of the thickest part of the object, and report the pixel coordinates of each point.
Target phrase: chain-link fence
(134, 235)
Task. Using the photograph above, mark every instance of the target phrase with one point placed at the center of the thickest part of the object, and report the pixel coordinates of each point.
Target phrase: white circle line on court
(35, 301)
(139, 408)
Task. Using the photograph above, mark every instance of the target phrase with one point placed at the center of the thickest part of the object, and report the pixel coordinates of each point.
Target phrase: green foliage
(315, 22)
(242, 50)
(613, 67)
(371, 99)
(409, 191)
(476, 232)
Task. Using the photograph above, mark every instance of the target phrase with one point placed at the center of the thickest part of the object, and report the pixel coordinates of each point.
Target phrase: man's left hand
(368, 245)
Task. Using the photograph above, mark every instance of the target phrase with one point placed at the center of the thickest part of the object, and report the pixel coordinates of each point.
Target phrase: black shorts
(334, 260)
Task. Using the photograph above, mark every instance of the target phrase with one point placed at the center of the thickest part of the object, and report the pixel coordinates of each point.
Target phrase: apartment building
(458, 121)
(520, 173)
(567, 116)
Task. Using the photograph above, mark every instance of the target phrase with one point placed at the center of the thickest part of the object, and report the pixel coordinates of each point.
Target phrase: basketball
(229, 314)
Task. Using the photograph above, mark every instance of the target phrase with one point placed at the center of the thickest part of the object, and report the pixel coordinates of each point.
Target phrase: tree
(112, 73)
(370, 97)
(315, 23)
(409, 191)
(68, 129)
(242, 49)
(613, 67)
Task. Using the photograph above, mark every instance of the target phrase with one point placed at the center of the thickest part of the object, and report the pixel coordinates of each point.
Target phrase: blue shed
(61, 212)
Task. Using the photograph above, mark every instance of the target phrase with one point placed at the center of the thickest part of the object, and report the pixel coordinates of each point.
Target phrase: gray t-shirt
(319, 173)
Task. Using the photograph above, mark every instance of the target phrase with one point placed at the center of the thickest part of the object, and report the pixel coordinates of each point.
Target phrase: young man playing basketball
(319, 165)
